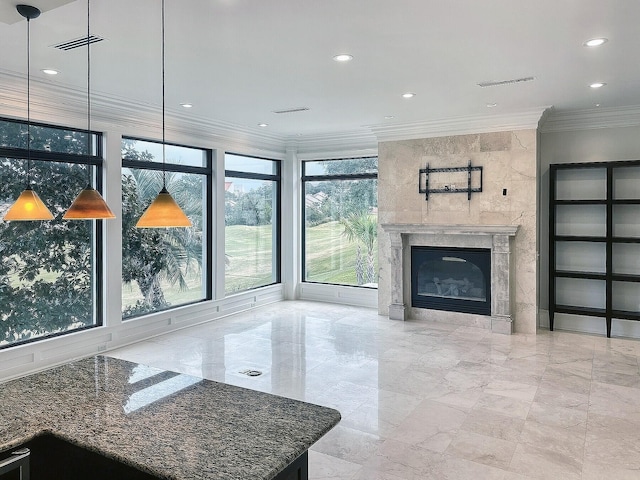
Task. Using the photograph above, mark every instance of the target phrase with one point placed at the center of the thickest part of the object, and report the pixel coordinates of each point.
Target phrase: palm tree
(152, 255)
(362, 227)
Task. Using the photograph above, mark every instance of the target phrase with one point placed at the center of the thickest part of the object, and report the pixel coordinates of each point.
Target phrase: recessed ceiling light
(595, 42)
(50, 71)
(492, 105)
(187, 105)
(597, 104)
(597, 85)
(263, 125)
(408, 95)
(388, 117)
(343, 57)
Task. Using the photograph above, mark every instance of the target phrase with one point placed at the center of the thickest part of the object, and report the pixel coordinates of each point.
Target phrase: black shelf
(576, 310)
(597, 182)
(581, 202)
(625, 239)
(587, 275)
(581, 238)
(625, 315)
(625, 277)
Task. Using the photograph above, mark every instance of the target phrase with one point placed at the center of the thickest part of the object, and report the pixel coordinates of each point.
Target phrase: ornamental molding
(525, 120)
(591, 119)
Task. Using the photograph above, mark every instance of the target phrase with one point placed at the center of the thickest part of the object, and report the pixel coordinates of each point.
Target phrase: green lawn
(175, 296)
(330, 259)
(248, 252)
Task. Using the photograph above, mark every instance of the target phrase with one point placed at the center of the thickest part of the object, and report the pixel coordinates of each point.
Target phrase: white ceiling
(239, 60)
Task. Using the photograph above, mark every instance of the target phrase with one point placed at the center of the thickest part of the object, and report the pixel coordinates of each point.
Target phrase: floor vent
(77, 42)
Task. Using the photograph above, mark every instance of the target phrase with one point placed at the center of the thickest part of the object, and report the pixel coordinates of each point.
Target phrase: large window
(340, 221)
(252, 197)
(164, 267)
(50, 271)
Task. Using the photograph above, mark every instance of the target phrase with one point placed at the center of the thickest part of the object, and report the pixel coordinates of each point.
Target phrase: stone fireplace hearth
(497, 238)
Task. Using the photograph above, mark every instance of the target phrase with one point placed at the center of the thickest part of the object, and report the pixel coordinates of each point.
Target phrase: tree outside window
(48, 280)
(163, 267)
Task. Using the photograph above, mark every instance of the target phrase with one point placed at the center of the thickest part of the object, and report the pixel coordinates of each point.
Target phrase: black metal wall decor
(449, 186)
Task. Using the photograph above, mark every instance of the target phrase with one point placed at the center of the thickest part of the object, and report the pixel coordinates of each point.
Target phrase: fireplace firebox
(451, 279)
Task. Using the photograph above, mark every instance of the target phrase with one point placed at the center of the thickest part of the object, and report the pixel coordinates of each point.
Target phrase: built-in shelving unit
(594, 241)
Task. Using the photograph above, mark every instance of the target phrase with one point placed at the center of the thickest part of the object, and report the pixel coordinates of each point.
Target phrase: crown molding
(358, 143)
(591, 119)
(524, 120)
(67, 106)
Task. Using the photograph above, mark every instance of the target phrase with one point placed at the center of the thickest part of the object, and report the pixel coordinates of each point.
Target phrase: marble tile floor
(425, 400)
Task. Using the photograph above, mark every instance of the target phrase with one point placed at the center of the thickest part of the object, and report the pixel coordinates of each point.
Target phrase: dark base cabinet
(56, 459)
(297, 470)
(594, 241)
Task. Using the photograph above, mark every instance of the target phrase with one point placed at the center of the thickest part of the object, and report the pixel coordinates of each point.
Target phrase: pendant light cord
(88, 95)
(28, 102)
(164, 180)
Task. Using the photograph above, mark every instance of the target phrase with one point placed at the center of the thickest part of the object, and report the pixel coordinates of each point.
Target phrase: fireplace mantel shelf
(409, 228)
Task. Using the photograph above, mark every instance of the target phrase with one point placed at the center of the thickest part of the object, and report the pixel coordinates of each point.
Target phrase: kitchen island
(167, 424)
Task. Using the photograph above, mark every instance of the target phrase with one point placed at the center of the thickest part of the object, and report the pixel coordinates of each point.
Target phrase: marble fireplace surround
(498, 238)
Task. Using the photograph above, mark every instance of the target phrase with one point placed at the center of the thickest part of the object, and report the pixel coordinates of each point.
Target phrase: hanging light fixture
(163, 211)
(89, 204)
(28, 206)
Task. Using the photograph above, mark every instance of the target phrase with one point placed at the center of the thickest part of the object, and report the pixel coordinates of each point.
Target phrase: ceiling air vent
(506, 82)
(77, 42)
(292, 110)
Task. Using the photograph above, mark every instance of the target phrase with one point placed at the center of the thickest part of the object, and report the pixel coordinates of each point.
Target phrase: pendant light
(28, 206)
(164, 211)
(89, 204)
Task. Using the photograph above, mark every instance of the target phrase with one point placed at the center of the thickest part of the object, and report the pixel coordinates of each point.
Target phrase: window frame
(318, 178)
(207, 171)
(277, 178)
(90, 159)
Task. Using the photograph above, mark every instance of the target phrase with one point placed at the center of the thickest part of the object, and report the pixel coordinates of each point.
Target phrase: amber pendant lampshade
(163, 212)
(89, 204)
(28, 206)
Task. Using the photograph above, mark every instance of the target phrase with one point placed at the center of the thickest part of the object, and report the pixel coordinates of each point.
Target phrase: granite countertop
(168, 424)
